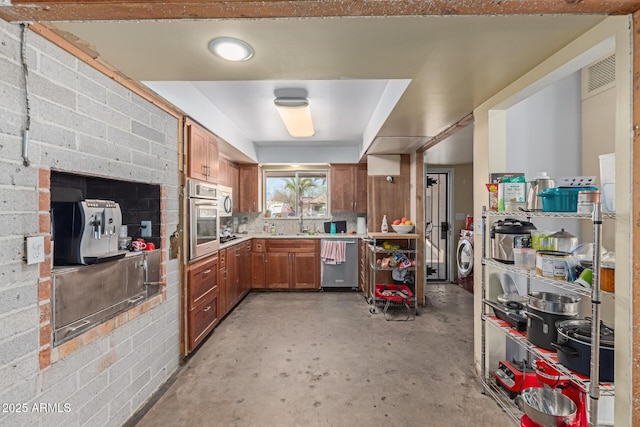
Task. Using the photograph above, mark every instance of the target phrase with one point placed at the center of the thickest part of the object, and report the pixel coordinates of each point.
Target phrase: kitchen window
(291, 194)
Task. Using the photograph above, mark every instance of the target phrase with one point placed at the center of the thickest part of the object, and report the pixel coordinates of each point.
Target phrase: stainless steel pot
(553, 303)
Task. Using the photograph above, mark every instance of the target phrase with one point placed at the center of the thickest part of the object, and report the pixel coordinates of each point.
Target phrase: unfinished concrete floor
(321, 359)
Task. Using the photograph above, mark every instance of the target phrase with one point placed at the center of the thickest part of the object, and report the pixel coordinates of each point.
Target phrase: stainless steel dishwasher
(342, 275)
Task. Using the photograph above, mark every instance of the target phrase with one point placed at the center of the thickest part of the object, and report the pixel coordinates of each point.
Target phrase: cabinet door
(343, 188)
(233, 180)
(222, 282)
(305, 271)
(197, 152)
(223, 166)
(212, 158)
(244, 269)
(248, 186)
(361, 189)
(277, 270)
(233, 286)
(258, 270)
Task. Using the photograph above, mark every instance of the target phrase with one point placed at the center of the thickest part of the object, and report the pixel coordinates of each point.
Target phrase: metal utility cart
(389, 252)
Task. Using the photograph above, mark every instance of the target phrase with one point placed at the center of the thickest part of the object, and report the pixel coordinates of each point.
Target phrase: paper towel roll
(361, 225)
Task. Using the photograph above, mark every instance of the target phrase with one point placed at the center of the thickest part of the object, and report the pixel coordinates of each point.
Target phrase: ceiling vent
(599, 76)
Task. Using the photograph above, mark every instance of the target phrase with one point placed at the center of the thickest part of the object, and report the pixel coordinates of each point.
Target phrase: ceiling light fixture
(231, 49)
(296, 115)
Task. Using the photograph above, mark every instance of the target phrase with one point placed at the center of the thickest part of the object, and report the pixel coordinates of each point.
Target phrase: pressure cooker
(508, 234)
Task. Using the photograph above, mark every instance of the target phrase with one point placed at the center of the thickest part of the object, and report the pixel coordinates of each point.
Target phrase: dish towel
(333, 252)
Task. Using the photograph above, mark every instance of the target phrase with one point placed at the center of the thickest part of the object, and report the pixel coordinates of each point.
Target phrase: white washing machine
(464, 259)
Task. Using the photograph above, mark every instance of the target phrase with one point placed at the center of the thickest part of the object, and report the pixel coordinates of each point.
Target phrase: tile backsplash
(256, 221)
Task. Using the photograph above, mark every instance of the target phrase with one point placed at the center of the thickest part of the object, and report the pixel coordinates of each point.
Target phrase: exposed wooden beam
(457, 126)
(65, 10)
(420, 258)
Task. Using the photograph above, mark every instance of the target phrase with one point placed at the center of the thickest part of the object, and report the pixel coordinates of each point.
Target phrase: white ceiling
(376, 85)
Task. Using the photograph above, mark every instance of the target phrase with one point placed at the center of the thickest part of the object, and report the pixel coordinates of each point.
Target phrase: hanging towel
(333, 252)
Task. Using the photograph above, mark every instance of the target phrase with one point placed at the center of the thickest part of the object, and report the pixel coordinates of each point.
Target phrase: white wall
(82, 122)
(544, 131)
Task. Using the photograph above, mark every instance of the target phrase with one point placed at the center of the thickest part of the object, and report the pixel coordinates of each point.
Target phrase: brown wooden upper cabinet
(248, 180)
(202, 153)
(228, 174)
(348, 188)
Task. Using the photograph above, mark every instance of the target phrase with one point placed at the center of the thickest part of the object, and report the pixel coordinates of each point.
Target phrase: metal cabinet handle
(206, 272)
(207, 308)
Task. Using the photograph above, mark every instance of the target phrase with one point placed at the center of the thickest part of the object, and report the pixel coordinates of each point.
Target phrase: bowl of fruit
(402, 225)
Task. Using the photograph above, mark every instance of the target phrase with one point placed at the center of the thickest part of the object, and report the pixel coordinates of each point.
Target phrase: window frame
(271, 170)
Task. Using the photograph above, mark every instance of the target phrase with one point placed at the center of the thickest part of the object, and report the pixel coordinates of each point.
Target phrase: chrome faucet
(301, 219)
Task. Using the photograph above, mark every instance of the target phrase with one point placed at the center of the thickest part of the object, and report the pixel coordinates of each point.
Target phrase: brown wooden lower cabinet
(244, 268)
(238, 273)
(218, 283)
(277, 270)
(258, 258)
(233, 254)
(202, 300)
(292, 264)
(203, 318)
(222, 281)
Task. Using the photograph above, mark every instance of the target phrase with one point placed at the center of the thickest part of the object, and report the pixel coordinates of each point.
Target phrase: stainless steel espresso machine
(85, 232)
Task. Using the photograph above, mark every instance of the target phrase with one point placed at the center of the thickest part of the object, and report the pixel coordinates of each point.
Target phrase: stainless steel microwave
(225, 199)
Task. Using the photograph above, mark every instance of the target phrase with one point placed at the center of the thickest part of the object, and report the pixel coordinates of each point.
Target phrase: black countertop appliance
(341, 226)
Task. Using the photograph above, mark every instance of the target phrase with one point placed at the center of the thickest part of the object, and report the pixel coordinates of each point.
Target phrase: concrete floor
(321, 359)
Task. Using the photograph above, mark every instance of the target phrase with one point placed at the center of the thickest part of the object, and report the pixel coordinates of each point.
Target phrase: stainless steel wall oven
(204, 221)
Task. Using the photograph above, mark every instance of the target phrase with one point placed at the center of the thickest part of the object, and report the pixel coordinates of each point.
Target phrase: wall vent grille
(601, 74)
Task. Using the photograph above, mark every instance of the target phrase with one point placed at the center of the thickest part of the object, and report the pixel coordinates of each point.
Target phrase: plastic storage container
(562, 199)
(524, 258)
(608, 181)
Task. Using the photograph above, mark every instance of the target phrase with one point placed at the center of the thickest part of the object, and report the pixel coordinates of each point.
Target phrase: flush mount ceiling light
(230, 49)
(296, 115)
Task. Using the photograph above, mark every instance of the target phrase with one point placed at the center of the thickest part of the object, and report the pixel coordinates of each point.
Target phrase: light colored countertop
(244, 237)
(391, 235)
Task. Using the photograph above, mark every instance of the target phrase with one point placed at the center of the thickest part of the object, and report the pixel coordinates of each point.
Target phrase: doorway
(438, 200)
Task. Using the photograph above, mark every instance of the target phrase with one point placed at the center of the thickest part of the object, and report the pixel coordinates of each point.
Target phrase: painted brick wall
(82, 122)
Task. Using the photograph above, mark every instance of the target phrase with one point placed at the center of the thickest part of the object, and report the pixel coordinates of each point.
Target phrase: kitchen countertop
(244, 237)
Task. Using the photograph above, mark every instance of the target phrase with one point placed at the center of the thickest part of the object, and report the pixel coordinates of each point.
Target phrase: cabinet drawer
(293, 245)
(202, 280)
(203, 317)
(258, 245)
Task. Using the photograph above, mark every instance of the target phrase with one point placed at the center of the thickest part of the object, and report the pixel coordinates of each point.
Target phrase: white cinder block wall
(82, 122)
